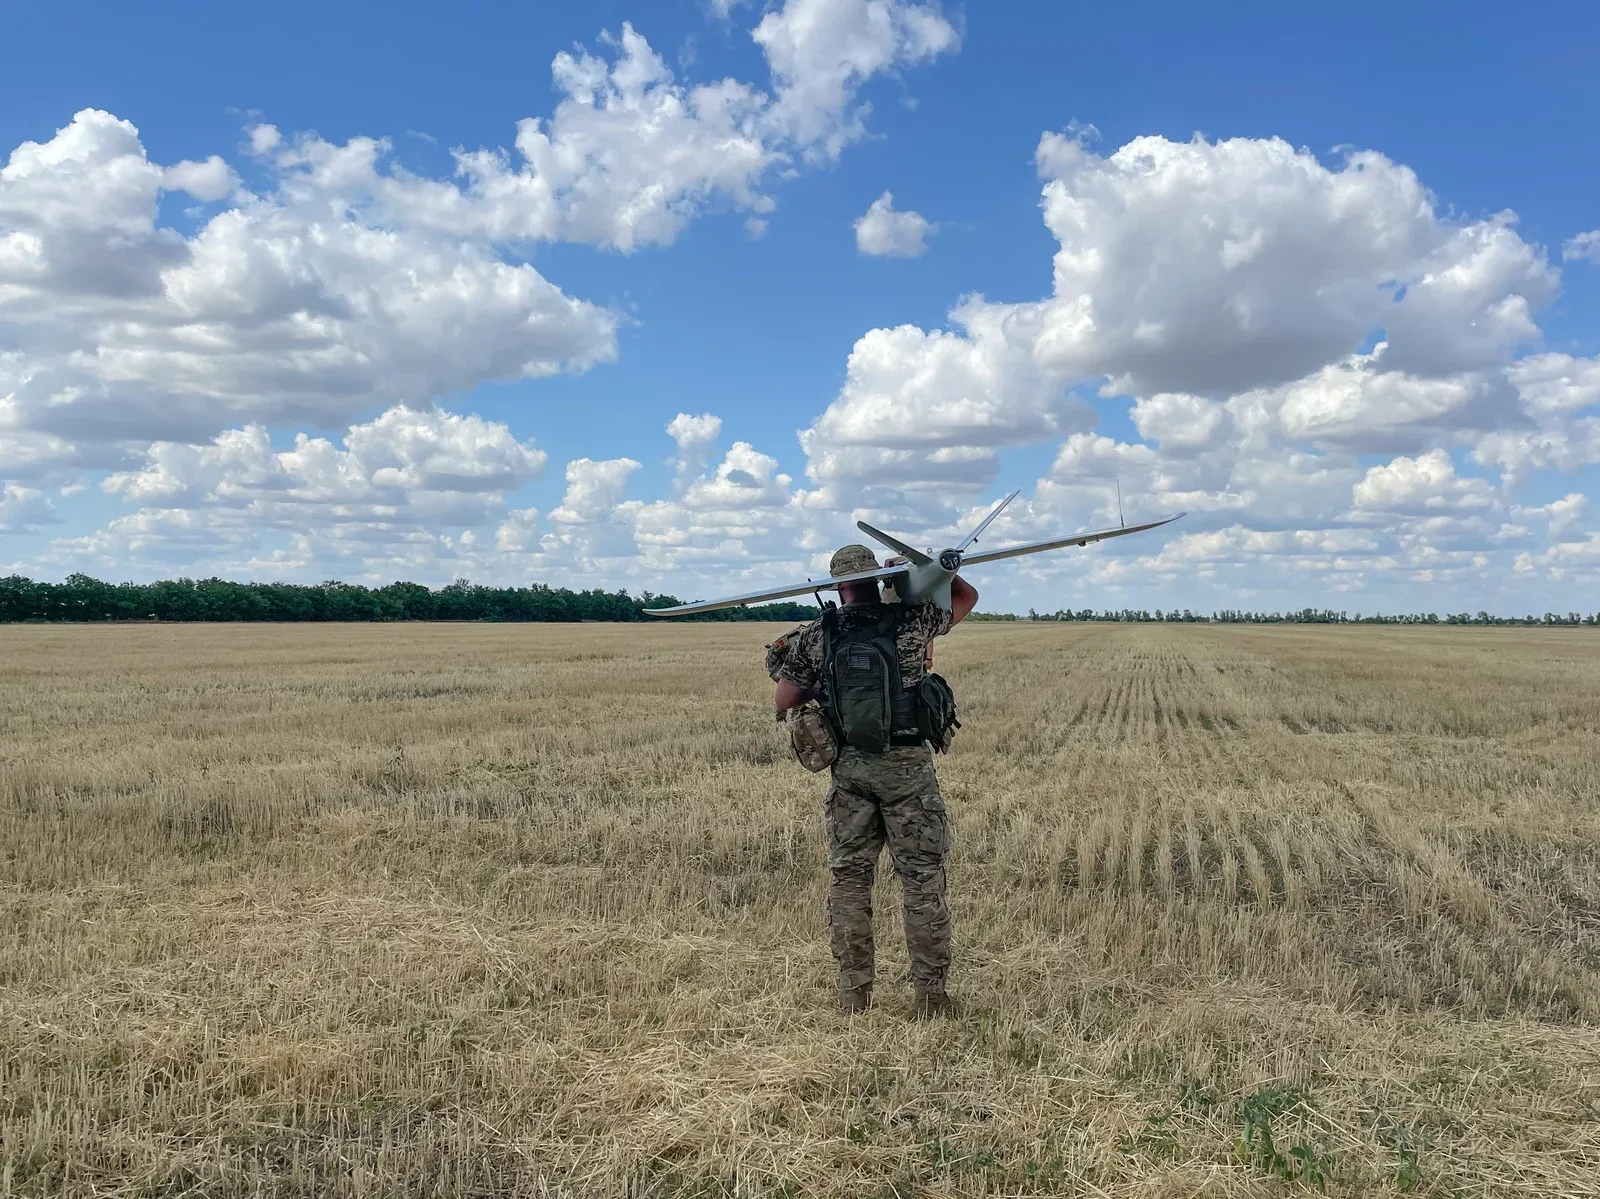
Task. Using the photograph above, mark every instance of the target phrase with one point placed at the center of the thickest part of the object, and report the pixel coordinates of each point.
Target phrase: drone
(917, 576)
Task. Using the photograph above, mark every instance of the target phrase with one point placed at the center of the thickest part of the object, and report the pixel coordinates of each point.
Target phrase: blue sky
(291, 359)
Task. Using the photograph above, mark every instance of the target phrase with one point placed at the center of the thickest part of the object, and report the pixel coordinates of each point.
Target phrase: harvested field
(512, 910)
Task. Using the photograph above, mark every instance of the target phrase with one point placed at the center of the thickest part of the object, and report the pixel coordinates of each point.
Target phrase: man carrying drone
(863, 667)
(857, 692)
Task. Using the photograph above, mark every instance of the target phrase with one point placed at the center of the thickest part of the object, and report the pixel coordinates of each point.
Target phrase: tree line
(81, 598)
(1306, 616)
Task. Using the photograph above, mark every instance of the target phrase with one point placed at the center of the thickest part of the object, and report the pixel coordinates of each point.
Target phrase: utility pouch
(811, 737)
(936, 712)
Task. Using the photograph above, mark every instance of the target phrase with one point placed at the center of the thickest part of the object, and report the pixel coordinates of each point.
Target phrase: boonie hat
(852, 560)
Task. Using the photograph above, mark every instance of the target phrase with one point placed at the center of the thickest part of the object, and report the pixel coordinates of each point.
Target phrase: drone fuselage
(922, 582)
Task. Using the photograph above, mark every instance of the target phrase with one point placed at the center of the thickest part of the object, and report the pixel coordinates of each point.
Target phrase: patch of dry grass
(538, 910)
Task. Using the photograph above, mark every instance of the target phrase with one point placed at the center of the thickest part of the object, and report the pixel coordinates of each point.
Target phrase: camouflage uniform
(889, 796)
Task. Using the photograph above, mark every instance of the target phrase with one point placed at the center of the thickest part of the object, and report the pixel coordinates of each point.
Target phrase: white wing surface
(756, 597)
(884, 572)
(1057, 543)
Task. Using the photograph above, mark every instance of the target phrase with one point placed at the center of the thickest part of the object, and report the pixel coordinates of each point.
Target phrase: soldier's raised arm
(963, 599)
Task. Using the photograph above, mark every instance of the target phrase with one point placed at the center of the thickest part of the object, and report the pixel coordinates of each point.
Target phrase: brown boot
(927, 1004)
(855, 999)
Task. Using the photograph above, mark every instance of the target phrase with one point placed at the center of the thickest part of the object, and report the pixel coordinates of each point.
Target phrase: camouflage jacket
(796, 657)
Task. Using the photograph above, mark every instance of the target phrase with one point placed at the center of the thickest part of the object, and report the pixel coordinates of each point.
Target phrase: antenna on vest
(1121, 524)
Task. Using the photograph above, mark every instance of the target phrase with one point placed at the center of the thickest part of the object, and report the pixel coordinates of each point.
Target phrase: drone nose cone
(950, 560)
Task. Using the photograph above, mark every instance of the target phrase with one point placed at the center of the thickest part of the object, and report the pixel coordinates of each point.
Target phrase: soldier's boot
(853, 1000)
(929, 1004)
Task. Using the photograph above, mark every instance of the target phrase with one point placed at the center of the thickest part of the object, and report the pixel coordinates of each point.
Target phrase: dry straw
(461, 910)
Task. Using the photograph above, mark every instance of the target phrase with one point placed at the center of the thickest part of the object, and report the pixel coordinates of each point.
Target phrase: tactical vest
(862, 692)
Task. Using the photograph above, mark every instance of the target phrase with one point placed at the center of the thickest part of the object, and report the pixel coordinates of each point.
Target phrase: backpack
(863, 696)
(936, 712)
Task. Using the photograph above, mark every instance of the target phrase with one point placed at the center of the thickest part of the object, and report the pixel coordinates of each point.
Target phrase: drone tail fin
(914, 556)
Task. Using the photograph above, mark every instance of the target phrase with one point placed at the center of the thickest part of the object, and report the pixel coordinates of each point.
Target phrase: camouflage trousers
(890, 797)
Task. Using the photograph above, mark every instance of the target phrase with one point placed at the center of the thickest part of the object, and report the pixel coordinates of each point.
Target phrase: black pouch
(936, 712)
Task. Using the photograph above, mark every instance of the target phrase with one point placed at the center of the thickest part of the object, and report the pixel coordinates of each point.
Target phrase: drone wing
(885, 572)
(756, 597)
(987, 521)
(1075, 539)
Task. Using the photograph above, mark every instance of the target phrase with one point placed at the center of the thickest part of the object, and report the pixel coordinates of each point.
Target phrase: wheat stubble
(503, 910)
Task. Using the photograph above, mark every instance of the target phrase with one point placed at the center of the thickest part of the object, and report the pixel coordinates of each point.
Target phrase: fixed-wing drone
(917, 576)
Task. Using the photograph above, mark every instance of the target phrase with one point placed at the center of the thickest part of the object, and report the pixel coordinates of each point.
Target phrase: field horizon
(468, 909)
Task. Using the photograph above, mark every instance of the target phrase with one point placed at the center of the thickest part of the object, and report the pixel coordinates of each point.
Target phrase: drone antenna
(1120, 522)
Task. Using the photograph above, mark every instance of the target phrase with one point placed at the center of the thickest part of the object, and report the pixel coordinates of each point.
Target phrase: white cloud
(1519, 453)
(272, 311)
(1550, 384)
(21, 508)
(734, 520)
(630, 154)
(1354, 403)
(1210, 267)
(385, 496)
(1559, 515)
(1271, 318)
(404, 459)
(1231, 285)
(696, 437)
(347, 282)
(933, 407)
(1426, 483)
(822, 51)
(883, 232)
(1177, 420)
(594, 490)
(1585, 247)
(206, 181)
(519, 532)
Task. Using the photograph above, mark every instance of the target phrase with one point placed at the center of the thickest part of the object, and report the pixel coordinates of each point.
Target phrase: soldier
(881, 792)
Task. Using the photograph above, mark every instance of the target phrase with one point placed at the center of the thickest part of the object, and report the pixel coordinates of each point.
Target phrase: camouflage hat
(852, 560)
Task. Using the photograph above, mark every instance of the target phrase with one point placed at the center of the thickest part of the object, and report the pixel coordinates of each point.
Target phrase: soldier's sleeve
(802, 664)
(931, 620)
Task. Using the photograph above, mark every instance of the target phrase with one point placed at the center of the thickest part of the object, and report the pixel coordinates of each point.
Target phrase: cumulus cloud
(400, 460)
(345, 282)
(933, 407)
(274, 310)
(1551, 384)
(631, 154)
(1240, 290)
(389, 494)
(822, 51)
(1585, 247)
(735, 515)
(1559, 515)
(1220, 266)
(886, 233)
(594, 489)
(1268, 318)
(696, 437)
(1426, 483)
(1519, 453)
(22, 508)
